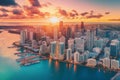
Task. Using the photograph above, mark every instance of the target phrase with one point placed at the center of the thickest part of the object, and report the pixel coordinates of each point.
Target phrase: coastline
(65, 61)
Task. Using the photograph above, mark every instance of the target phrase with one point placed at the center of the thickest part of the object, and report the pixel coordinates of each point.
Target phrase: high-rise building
(61, 26)
(71, 44)
(69, 33)
(61, 48)
(55, 33)
(107, 52)
(97, 50)
(114, 64)
(117, 43)
(53, 48)
(69, 54)
(86, 55)
(107, 62)
(62, 39)
(91, 62)
(97, 32)
(76, 57)
(90, 39)
(114, 50)
(119, 36)
(22, 36)
(79, 44)
(99, 43)
(43, 47)
(82, 28)
(81, 58)
(30, 36)
(76, 28)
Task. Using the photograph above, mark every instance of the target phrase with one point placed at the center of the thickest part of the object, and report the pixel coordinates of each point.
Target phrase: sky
(66, 10)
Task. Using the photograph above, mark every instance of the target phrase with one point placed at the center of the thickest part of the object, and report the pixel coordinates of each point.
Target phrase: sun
(54, 20)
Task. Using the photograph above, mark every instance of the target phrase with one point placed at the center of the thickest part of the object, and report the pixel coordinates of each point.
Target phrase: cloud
(49, 3)
(35, 3)
(4, 15)
(107, 13)
(7, 2)
(91, 14)
(31, 10)
(118, 19)
(84, 13)
(17, 17)
(46, 4)
(17, 12)
(3, 9)
(63, 12)
(94, 16)
(75, 12)
(35, 12)
(72, 15)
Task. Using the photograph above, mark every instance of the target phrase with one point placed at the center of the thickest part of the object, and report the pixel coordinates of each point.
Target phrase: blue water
(53, 70)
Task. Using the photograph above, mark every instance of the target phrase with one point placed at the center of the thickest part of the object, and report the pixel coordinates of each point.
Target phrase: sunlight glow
(54, 20)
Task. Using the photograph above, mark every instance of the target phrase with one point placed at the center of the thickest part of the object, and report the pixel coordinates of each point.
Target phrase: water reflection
(57, 65)
(68, 65)
(50, 61)
(75, 67)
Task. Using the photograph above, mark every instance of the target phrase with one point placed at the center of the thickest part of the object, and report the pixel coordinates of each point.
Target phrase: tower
(113, 50)
(55, 33)
(69, 33)
(61, 50)
(61, 26)
(82, 28)
(90, 39)
(79, 44)
(53, 48)
(69, 54)
(22, 36)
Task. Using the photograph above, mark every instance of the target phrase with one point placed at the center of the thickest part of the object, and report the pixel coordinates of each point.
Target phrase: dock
(117, 75)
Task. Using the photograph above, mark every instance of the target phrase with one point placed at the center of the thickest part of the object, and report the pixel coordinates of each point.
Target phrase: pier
(117, 75)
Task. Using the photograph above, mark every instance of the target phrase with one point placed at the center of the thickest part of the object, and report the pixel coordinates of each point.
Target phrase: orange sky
(67, 10)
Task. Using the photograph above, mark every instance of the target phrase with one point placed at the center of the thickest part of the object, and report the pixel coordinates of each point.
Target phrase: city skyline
(59, 40)
(67, 11)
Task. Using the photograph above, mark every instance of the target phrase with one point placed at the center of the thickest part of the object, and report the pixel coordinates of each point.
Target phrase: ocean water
(45, 70)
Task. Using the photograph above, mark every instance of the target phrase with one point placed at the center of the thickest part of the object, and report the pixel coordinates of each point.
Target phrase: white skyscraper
(106, 62)
(79, 44)
(107, 52)
(69, 54)
(91, 62)
(114, 64)
(90, 39)
(76, 57)
(97, 50)
(43, 47)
